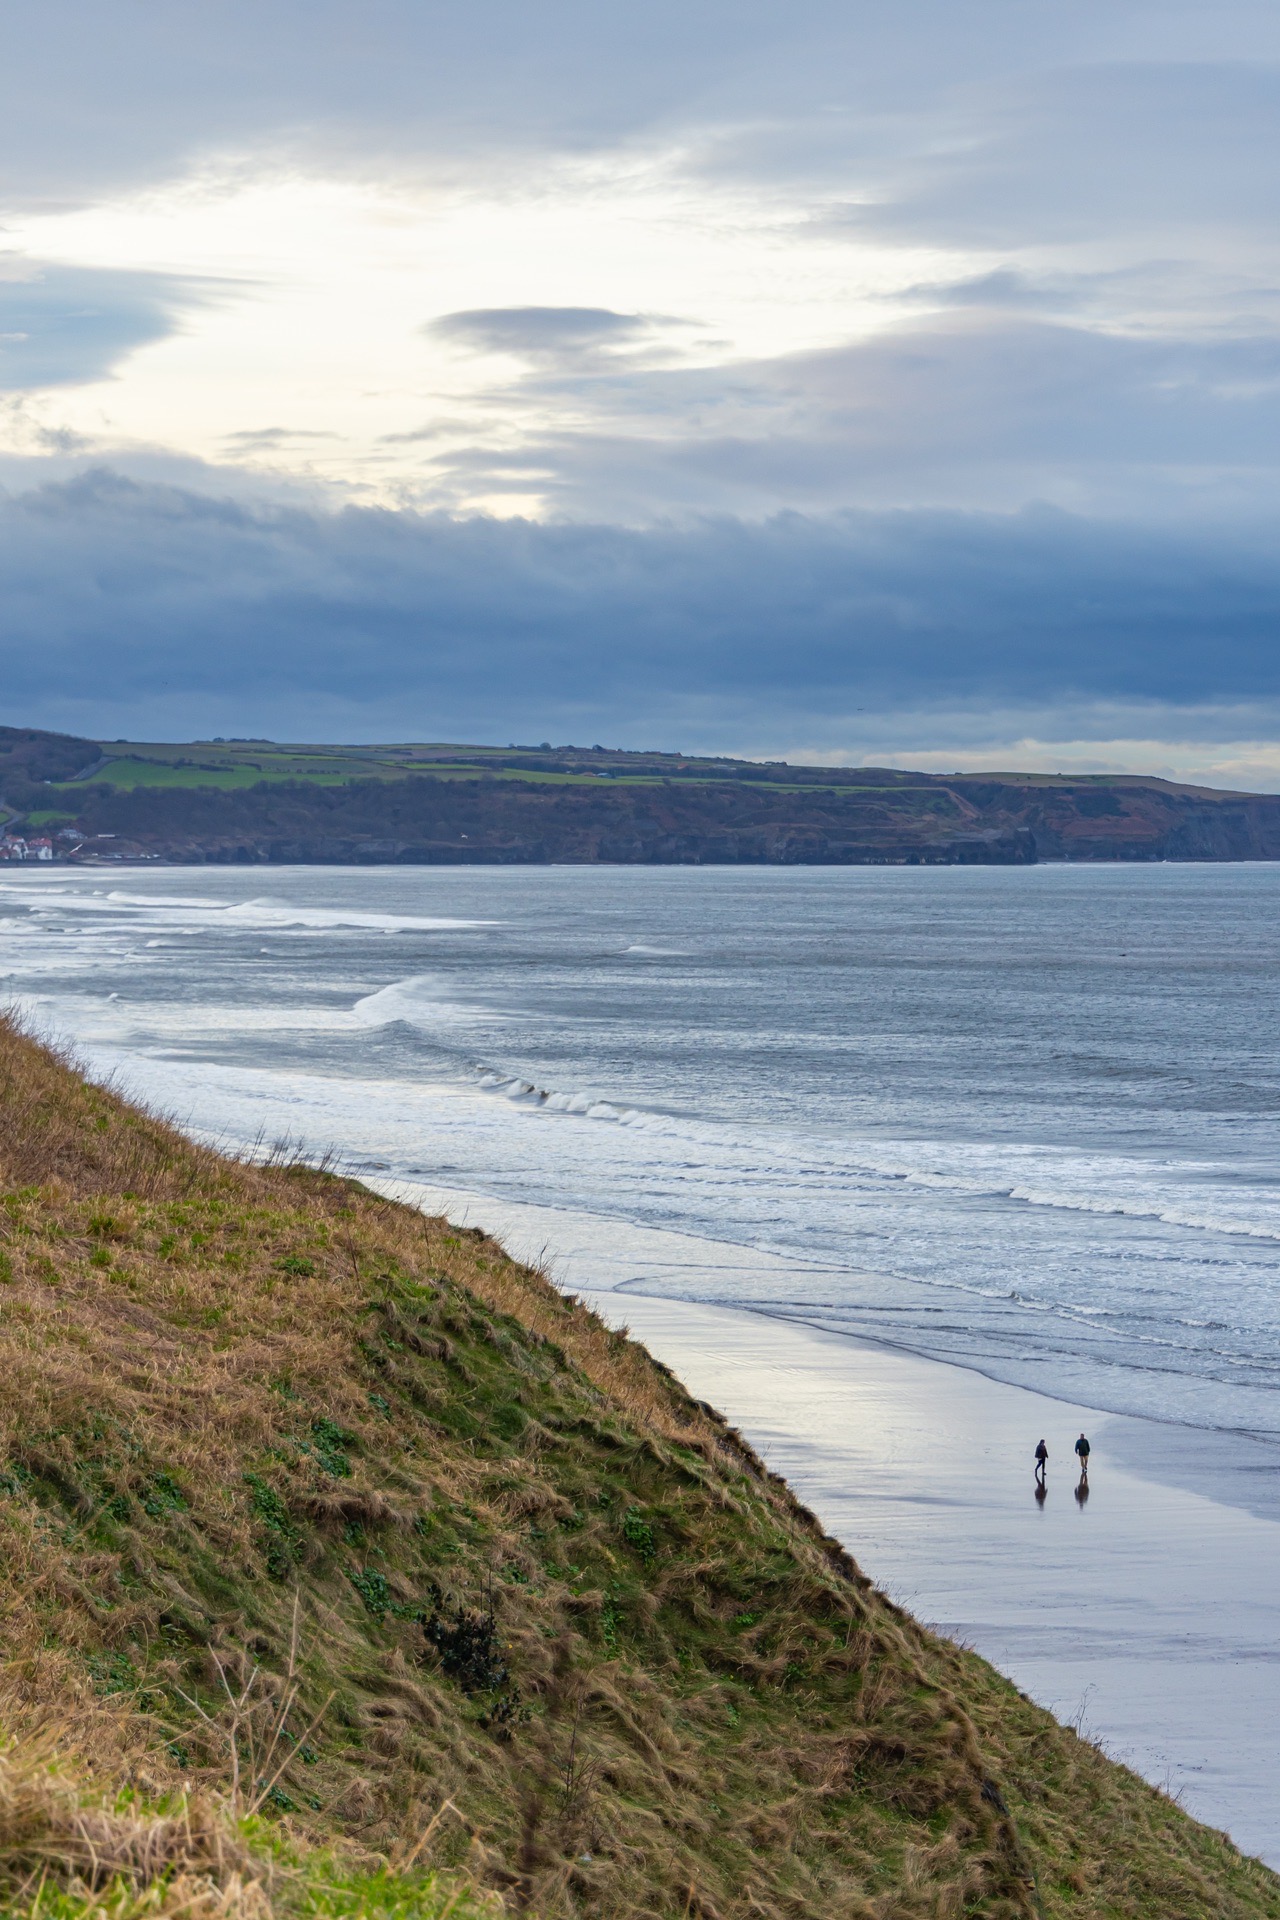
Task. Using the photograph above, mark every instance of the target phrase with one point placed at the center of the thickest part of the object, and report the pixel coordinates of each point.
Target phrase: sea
(1019, 1119)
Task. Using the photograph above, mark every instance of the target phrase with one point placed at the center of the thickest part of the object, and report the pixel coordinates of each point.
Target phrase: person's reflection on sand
(1042, 1493)
(1082, 1488)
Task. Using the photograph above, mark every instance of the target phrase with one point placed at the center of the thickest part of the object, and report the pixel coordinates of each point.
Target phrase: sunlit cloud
(895, 281)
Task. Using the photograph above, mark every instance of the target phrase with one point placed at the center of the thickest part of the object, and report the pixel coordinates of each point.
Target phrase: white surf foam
(259, 912)
(1135, 1187)
(418, 1001)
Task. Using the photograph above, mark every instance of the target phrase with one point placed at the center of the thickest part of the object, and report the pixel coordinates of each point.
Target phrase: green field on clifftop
(233, 764)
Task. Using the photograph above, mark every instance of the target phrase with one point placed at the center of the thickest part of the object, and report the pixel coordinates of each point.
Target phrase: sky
(855, 383)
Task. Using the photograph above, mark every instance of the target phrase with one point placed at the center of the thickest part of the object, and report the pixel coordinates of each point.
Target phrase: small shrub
(637, 1533)
(330, 1442)
(163, 1496)
(282, 1537)
(502, 1715)
(372, 1588)
(268, 1505)
(112, 1673)
(279, 1561)
(467, 1643)
(15, 1478)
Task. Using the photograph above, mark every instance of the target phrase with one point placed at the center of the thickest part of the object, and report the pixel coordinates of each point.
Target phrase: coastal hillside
(348, 1568)
(256, 801)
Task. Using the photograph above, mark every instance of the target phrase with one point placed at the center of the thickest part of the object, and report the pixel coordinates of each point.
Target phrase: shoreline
(597, 1255)
(1142, 1617)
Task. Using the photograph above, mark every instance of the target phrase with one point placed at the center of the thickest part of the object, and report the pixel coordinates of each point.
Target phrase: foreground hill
(257, 801)
(338, 1550)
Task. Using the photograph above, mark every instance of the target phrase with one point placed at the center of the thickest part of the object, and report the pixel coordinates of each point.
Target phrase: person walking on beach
(1042, 1456)
(1082, 1448)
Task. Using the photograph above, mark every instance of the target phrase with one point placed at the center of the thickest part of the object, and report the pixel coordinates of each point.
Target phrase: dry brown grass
(239, 1397)
(52, 1825)
(70, 1851)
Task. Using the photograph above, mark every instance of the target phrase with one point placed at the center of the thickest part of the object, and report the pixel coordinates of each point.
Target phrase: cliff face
(427, 820)
(332, 1511)
(422, 820)
(579, 806)
(1132, 820)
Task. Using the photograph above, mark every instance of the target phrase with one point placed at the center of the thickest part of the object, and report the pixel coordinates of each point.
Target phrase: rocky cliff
(255, 802)
(423, 820)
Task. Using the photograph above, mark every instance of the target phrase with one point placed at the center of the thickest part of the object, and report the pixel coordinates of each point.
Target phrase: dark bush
(468, 1645)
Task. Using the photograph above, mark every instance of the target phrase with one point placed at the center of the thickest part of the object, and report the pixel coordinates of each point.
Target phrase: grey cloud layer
(985, 407)
(1112, 168)
(564, 337)
(64, 325)
(91, 99)
(996, 120)
(153, 601)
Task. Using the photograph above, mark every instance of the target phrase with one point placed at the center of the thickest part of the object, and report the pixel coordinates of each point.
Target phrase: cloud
(272, 439)
(978, 424)
(979, 407)
(994, 124)
(66, 325)
(1005, 290)
(541, 333)
(1149, 152)
(131, 605)
(1006, 167)
(90, 104)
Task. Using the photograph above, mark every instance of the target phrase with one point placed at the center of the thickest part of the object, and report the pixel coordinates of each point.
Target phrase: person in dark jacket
(1042, 1457)
(1082, 1449)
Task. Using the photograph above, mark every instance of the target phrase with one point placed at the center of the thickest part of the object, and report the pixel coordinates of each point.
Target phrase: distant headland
(258, 801)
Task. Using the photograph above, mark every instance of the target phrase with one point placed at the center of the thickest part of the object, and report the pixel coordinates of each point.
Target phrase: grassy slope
(531, 1579)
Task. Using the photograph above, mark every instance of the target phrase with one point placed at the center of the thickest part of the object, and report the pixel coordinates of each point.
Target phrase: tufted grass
(331, 1534)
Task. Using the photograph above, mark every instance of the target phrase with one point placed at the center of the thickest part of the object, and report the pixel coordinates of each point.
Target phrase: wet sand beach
(1147, 1615)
